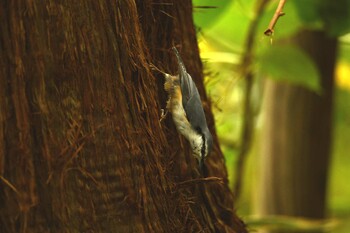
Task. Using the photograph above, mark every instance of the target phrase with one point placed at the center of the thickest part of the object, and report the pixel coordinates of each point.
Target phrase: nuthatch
(186, 108)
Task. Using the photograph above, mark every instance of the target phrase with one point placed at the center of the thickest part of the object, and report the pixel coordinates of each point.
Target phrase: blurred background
(259, 86)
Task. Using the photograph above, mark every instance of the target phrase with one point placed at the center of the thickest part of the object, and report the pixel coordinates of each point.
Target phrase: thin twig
(167, 14)
(278, 13)
(163, 3)
(206, 7)
(8, 183)
(202, 180)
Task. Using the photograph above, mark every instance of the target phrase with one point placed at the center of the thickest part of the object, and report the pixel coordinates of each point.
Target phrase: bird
(185, 105)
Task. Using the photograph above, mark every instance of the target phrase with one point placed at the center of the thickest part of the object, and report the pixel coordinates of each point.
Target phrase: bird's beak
(201, 165)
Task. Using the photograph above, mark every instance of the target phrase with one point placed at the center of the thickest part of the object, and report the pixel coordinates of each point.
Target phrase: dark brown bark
(297, 138)
(81, 146)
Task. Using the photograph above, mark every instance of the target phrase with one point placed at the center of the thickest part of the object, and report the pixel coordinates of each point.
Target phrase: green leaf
(336, 16)
(228, 33)
(221, 57)
(344, 48)
(290, 64)
(207, 12)
(309, 11)
(332, 16)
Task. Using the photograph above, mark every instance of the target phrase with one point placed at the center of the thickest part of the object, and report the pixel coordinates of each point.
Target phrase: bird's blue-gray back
(190, 97)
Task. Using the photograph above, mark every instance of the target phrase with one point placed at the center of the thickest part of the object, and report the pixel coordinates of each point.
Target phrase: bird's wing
(190, 97)
(195, 113)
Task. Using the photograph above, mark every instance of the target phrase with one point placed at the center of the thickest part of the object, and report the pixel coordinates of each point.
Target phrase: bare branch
(278, 13)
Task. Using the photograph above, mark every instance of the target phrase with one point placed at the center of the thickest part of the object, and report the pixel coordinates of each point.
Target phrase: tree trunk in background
(296, 144)
(81, 146)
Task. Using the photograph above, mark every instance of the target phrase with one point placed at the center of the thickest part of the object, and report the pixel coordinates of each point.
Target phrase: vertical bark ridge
(80, 138)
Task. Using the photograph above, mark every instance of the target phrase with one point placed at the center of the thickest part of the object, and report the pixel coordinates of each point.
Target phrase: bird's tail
(182, 69)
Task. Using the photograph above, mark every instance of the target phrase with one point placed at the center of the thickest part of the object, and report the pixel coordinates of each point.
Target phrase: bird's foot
(163, 115)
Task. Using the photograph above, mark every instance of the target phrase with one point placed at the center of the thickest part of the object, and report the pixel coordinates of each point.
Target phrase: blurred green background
(222, 33)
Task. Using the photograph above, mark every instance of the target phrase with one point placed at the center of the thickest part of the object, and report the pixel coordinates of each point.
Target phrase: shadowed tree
(296, 142)
(81, 145)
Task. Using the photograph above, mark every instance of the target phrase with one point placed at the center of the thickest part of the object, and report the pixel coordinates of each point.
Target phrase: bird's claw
(163, 115)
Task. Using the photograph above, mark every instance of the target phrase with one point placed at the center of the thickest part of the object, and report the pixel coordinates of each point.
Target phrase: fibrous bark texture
(81, 145)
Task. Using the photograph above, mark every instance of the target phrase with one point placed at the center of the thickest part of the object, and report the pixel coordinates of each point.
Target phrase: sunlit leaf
(290, 64)
(229, 31)
(221, 57)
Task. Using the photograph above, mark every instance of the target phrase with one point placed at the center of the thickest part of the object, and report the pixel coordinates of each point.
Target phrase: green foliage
(344, 53)
(223, 37)
(229, 31)
(339, 188)
(333, 16)
(309, 12)
(292, 224)
(208, 11)
(288, 63)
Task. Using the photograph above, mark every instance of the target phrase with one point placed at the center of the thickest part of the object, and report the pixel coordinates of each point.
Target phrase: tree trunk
(81, 145)
(296, 144)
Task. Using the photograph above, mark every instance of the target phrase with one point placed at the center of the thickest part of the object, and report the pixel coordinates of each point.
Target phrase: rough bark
(81, 146)
(296, 143)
